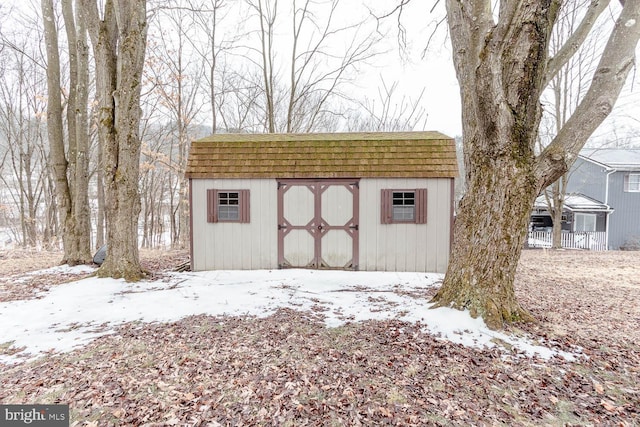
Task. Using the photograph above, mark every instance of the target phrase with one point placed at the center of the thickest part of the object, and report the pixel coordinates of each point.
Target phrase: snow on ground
(71, 315)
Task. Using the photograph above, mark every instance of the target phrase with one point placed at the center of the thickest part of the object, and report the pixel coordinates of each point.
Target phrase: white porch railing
(592, 240)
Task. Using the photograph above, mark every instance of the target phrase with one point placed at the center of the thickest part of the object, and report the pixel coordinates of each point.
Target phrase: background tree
(70, 166)
(323, 55)
(389, 112)
(118, 35)
(503, 66)
(175, 74)
(23, 152)
(565, 91)
(206, 16)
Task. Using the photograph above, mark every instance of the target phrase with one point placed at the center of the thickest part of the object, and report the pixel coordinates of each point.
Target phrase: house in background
(609, 177)
(584, 223)
(359, 201)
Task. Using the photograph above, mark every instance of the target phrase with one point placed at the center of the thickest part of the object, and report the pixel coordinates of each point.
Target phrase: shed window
(228, 205)
(632, 183)
(404, 206)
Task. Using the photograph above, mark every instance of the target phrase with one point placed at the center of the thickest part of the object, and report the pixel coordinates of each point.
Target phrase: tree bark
(70, 174)
(501, 69)
(78, 135)
(100, 216)
(58, 160)
(82, 210)
(119, 42)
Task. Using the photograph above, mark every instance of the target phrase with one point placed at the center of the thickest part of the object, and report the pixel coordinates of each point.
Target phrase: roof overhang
(576, 203)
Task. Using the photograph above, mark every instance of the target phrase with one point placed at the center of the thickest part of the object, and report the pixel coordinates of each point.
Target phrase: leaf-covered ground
(288, 369)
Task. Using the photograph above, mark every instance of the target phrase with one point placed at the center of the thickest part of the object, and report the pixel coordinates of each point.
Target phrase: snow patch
(73, 314)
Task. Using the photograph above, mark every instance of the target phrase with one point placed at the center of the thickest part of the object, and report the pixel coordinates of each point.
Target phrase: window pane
(585, 222)
(403, 206)
(634, 182)
(228, 213)
(403, 213)
(228, 206)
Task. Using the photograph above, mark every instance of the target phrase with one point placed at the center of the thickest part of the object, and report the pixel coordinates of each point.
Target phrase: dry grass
(17, 261)
(16, 283)
(583, 295)
(289, 369)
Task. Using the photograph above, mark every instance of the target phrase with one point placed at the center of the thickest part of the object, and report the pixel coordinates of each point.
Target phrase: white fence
(592, 240)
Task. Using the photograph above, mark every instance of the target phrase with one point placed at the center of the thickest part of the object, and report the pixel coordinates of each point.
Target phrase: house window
(404, 206)
(632, 183)
(585, 222)
(228, 206)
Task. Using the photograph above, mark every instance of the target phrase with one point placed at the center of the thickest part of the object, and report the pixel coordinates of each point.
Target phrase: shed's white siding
(235, 246)
(405, 247)
(382, 247)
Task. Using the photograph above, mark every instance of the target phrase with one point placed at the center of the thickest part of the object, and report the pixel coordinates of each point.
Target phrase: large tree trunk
(489, 236)
(58, 160)
(119, 42)
(500, 122)
(501, 67)
(100, 217)
(71, 177)
(78, 226)
(81, 210)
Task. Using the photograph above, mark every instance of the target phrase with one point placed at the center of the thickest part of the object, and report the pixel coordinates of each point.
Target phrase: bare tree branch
(578, 37)
(615, 64)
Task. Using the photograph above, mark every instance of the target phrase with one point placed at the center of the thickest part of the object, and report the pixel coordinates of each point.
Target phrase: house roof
(616, 158)
(324, 155)
(576, 202)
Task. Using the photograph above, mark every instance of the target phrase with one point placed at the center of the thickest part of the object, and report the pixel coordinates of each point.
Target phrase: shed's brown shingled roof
(324, 155)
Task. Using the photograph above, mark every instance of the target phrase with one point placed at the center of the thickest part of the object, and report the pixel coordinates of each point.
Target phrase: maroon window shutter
(421, 205)
(212, 205)
(244, 205)
(386, 214)
(626, 183)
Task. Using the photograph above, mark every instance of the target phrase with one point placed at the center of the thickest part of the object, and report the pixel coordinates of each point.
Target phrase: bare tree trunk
(100, 219)
(54, 130)
(212, 68)
(502, 70)
(71, 177)
(488, 241)
(558, 195)
(21, 125)
(119, 42)
(184, 213)
(267, 15)
(81, 208)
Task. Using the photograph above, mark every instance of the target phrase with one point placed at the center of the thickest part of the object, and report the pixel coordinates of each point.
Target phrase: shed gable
(331, 155)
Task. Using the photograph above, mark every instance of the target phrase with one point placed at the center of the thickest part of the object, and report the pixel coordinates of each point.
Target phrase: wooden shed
(359, 201)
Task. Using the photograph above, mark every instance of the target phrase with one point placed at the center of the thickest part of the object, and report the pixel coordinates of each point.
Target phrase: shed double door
(318, 224)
